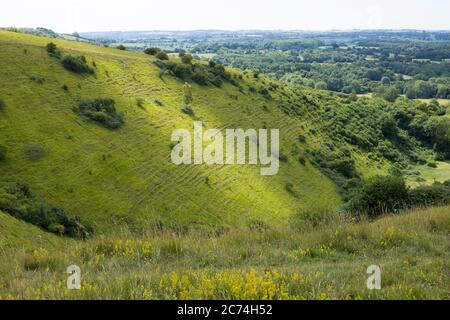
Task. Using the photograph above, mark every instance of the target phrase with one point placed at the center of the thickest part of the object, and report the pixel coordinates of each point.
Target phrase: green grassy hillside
(224, 231)
(124, 177)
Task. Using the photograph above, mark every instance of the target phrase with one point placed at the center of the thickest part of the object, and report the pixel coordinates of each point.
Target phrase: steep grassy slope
(329, 262)
(124, 177)
(16, 234)
(224, 231)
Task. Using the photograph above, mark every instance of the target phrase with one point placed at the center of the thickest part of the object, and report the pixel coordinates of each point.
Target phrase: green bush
(121, 47)
(76, 64)
(186, 59)
(53, 50)
(212, 74)
(2, 104)
(379, 195)
(18, 201)
(434, 195)
(188, 111)
(102, 111)
(161, 55)
(152, 51)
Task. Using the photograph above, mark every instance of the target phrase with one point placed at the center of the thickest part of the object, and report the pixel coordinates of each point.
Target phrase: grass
(124, 179)
(166, 231)
(427, 175)
(327, 262)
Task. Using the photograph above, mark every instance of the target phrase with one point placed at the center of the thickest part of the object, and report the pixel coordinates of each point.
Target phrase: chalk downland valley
(86, 176)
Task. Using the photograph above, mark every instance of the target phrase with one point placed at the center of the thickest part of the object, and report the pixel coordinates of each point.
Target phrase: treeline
(356, 68)
(202, 74)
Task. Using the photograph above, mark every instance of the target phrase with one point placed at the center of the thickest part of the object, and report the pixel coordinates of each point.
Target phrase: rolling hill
(218, 226)
(124, 177)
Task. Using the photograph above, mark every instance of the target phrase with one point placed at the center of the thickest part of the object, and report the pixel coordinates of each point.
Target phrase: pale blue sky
(104, 15)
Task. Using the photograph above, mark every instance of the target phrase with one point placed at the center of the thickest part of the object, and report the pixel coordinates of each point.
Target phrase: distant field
(441, 101)
(430, 175)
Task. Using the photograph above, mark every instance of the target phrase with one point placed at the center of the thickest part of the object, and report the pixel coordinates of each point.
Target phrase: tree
(51, 47)
(387, 93)
(424, 89)
(439, 129)
(374, 74)
(186, 58)
(443, 92)
(152, 51)
(385, 81)
(321, 85)
(389, 126)
(53, 50)
(161, 55)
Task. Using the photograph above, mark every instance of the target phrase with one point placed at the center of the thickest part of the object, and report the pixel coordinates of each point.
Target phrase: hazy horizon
(265, 15)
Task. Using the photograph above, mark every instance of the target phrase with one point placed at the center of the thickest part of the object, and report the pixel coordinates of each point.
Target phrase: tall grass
(328, 261)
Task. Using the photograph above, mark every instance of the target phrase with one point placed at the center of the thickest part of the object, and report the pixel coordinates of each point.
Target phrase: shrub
(102, 111)
(188, 111)
(3, 152)
(18, 201)
(425, 196)
(152, 51)
(186, 59)
(34, 152)
(213, 74)
(121, 47)
(53, 50)
(2, 103)
(432, 164)
(387, 93)
(381, 194)
(76, 64)
(161, 55)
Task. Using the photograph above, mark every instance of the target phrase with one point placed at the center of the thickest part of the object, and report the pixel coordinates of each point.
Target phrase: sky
(132, 15)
